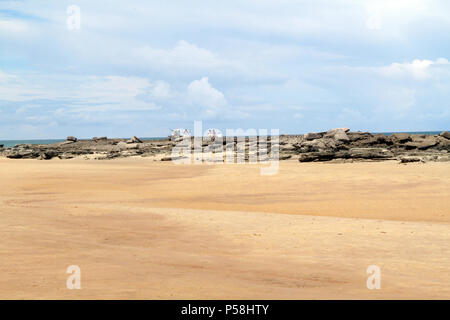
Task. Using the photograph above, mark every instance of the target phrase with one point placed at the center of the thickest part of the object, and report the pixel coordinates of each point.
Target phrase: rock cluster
(99, 139)
(342, 144)
(333, 145)
(97, 148)
(445, 134)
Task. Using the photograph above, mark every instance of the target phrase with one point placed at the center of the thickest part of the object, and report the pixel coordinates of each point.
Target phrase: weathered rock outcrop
(422, 143)
(99, 138)
(127, 146)
(339, 134)
(354, 153)
(313, 135)
(342, 144)
(401, 137)
(334, 145)
(134, 139)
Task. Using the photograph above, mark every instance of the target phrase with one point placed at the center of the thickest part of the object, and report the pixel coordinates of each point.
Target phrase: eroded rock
(337, 145)
(409, 159)
(337, 134)
(401, 137)
(99, 138)
(127, 146)
(445, 134)
(313, 135)
(134, 139)
(371, 153)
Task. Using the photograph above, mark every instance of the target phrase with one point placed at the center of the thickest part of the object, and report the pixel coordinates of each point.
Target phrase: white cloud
(184, 54)
(418, 69)
(395, 12)
(13, 26)
(202, 93)
(160, 90)
(415, 70)
(89, 93)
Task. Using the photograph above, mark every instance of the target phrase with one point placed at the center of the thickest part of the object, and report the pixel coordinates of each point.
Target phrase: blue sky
(143, 67)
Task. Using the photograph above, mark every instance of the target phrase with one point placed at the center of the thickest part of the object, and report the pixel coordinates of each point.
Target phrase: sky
(140, 68)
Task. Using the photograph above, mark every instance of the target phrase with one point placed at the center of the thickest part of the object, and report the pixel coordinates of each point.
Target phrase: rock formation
(339, 144)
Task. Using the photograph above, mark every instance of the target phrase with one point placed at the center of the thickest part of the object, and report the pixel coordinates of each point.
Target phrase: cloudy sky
(143, 67)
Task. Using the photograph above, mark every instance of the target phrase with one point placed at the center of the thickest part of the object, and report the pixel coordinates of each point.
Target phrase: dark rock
(444, 144)
(331, 144)
(323, 156)
(313, 135)
(371, 141)
(316, 156)
(370, 153)
(99, 138)
(134, 139)
(445, 134)
(14, 156)
(288, 148)
(172, 158)
(378, 139)
(418, 137)
(126, 146)
(411, 145)
(337, 134)
(356, 136)
(67, 142)
(382, 139)
(65, 156)
(21, 153)
(47, 155)
(179, 139)
(70, 138)
(424, 144)
(312, 145)
(410, 159)
(401, 137)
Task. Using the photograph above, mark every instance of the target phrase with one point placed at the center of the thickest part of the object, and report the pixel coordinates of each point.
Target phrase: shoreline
(57, 140)
(339, 144)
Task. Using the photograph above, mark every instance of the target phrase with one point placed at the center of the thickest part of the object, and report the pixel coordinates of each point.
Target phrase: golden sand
(141, 229)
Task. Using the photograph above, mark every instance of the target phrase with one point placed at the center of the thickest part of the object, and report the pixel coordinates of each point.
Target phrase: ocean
(12, 143)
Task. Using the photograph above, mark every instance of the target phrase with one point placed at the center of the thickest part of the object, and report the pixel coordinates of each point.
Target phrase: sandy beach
(140, 229)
